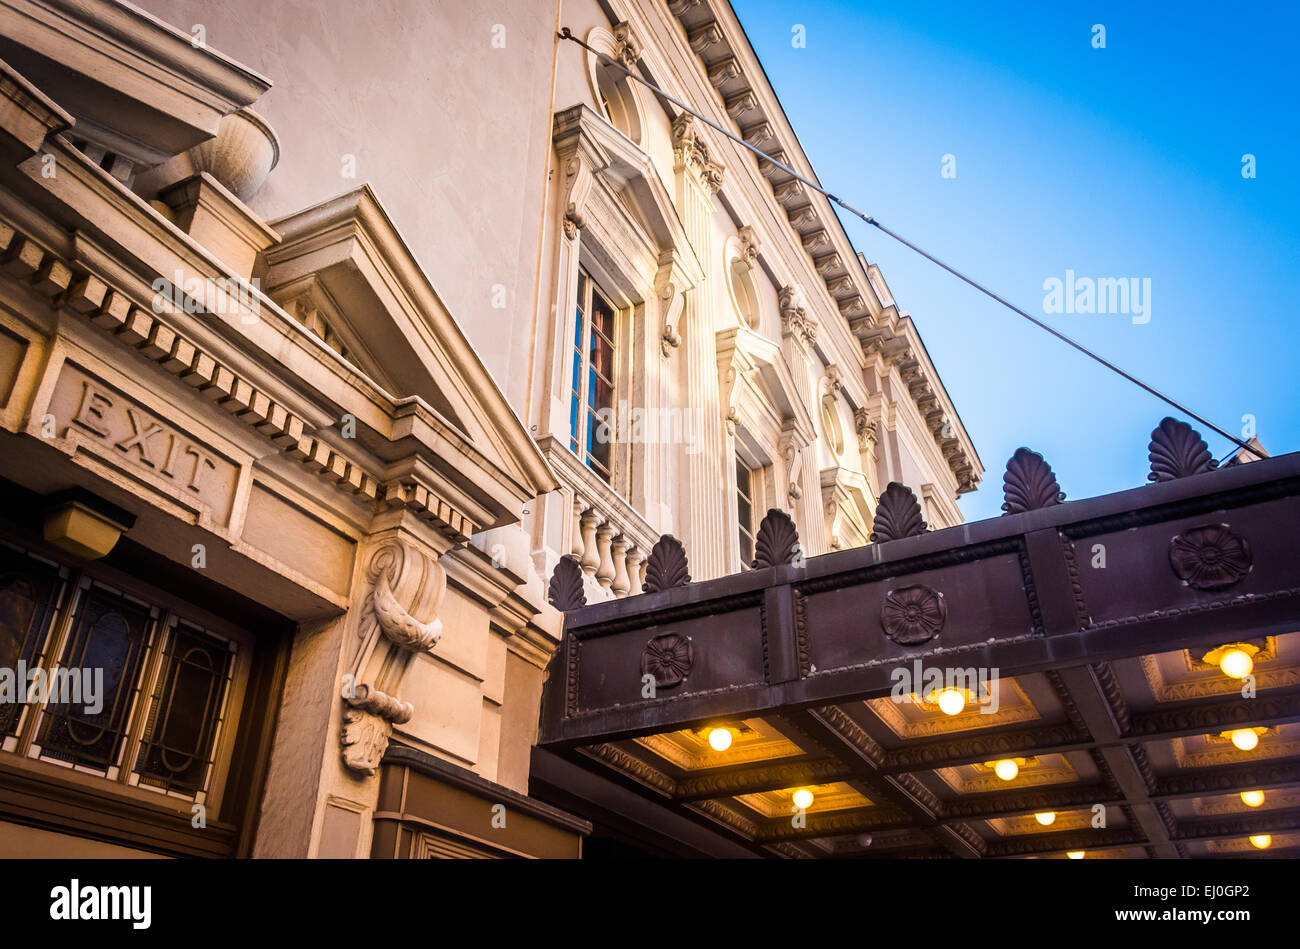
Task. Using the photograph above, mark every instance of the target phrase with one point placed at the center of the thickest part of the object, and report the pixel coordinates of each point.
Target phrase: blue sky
(1116, 162)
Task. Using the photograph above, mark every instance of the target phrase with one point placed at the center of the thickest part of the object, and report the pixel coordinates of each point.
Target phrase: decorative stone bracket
(398, 620)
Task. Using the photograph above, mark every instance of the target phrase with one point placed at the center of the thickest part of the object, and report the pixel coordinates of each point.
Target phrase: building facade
(326, 336)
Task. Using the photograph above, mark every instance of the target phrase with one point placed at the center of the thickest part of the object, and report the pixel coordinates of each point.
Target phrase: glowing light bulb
(803, 799)
(720, 739)
(1006, 769)
(1261, 841)
(1245, 738)
(1075, 854)
(1045, 818)
(1236, 663)
(951, 701)
(1252, 798)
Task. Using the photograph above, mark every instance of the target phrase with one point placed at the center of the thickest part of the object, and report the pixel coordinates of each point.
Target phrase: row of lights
(720, 740)
(1236, 660)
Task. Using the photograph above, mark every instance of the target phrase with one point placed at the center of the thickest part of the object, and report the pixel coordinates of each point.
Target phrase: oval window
(831, 423)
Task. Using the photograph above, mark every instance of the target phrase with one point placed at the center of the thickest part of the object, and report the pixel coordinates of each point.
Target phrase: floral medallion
(668, 657)
(913, 615)
(1210, 558)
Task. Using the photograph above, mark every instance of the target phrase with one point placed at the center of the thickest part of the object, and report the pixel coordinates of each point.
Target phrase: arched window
(610, 86)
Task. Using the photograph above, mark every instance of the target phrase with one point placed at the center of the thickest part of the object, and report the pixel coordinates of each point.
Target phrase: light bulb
(951, 701)
(1045, 818)
(1245, 738)
(1075, 854)
(803, 799)
(1236, 663)
(720, 739)
(1006, 769)
(1261, 841)
(1252, 798)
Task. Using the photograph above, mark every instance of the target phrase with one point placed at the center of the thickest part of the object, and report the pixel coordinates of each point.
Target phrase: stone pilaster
(703, 517)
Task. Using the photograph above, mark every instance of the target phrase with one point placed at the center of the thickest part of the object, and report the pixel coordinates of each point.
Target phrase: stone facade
(291, 360)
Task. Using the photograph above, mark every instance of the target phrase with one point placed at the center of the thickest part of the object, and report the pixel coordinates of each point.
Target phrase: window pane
(185, 712)
(598, 448)
(600, 394)
(28, 593)
(109, 633)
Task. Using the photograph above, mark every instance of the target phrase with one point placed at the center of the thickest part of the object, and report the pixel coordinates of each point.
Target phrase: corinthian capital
(691, 153)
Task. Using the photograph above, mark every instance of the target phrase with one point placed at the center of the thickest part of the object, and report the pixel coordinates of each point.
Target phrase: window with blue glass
(591, 388)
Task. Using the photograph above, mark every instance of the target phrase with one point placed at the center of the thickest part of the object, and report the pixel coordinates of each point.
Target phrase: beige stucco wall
(451, 131)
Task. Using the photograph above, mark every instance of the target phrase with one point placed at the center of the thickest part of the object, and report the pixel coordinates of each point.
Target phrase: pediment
(617, 165)
(342, 270)
(753, 376)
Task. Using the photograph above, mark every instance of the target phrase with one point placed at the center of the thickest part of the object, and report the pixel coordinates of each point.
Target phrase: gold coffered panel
(1028, 823)
(1222, 804)
(1204, 751)
(914, 717)
(752, 740)
(1242, 845)
(1184, 675)
(826, 797)
(1034, 771)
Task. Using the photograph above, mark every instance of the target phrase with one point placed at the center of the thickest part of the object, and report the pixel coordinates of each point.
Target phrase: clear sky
(1112, 163)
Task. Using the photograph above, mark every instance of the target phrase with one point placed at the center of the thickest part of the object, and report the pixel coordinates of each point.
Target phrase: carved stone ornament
(913, 615)
(666, 566)
(795, 319)
(566, 591)
(868, 431)
(749, 247)
(573, 222)
(399, 618)
(1210, 558)
(1177, 451)
(777, 541)
(668, 657)
(424, 582)
(368, 724)
(672, 300)
(1029, 483)
(691, 153)
(626, 49)
(898, 515)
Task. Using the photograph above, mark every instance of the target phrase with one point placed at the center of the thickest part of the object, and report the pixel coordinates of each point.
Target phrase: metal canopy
(1093, 621)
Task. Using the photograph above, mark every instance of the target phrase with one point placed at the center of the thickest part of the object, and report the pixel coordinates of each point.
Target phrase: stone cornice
(731, 68)
(224, 356)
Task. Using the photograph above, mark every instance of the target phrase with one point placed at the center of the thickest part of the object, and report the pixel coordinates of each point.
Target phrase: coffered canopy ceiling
(1123, 678)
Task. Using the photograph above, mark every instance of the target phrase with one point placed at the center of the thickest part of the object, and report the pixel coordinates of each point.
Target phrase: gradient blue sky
(1116, 162)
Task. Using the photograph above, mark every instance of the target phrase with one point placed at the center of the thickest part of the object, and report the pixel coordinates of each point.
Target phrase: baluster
(590, 558)
(575, 541)
(634, 559)
(605, 570)
(618, 550)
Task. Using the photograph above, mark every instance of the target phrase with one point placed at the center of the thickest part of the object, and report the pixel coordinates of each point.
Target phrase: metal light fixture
(1244, 738)
(952, 701)
(803, 799)
(1075, 854)
(1261, 841)
(1252, 798)
(1235, 659)
(720, 739)
(1046, 818)
(1006, 769)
